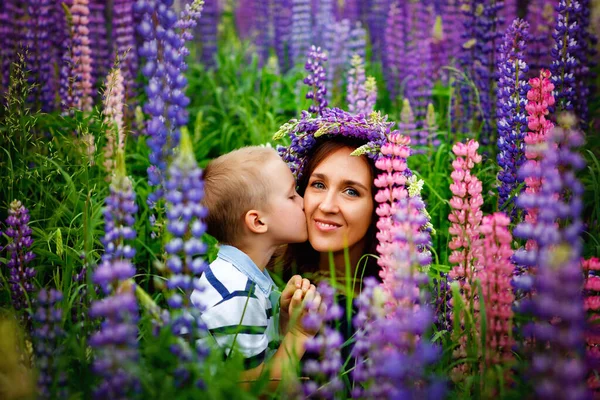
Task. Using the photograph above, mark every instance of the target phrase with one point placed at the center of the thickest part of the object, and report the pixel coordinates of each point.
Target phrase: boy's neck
(258, 252)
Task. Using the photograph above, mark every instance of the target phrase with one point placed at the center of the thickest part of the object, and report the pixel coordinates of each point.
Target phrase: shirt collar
(245, 265)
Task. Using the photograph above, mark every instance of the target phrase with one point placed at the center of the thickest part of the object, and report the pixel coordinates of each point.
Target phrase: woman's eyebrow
(348, 182)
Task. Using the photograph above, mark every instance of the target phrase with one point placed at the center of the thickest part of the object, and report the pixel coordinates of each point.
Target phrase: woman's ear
(255, 222)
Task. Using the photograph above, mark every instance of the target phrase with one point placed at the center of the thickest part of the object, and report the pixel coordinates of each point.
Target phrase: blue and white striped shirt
(239, 306)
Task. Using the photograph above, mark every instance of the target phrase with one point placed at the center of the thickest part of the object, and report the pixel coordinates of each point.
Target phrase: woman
(339, 205)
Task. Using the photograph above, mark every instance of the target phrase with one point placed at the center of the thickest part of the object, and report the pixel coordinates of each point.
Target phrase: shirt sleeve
(238, 323)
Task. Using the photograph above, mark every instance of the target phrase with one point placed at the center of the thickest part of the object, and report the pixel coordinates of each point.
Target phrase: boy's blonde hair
(234, 183)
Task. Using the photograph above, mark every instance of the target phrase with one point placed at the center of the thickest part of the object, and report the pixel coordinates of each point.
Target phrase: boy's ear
(255, 222)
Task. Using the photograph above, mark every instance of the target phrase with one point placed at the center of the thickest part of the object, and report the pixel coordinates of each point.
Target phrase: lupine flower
(495, 277)
(47, 345)
(324, 21)
(591, 303)
(396, 47)
(351, 10)
(391, 323)
(39, 56)
(185, 190)
(124, 47)
(316, 80)
(463, 107)
(301, 30)
(282, 21)
(362, 93)
(324, 372)
(418, 64)
(116, 341)
(98, 40)
(377, 14)
(244, 16)
(336, 36)
(82, 54)
(539, 101)
(585, 55)
(564, 54)
(440, 50)
(512, 121)
(165, 66)
(69, 95)
(119, 216)
(113, 117)
(540, 15)
(557, 366)
(488, 32)
(206, 32)
(19, 256)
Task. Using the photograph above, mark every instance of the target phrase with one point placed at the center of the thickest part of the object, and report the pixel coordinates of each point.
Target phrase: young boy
(253, 208)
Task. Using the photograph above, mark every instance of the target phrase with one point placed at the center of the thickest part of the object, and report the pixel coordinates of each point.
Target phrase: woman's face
(338, 202)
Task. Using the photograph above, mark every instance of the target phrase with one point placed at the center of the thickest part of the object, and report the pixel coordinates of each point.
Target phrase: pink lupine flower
(393, 184)
(591, 272)
(465, 219)
(113, 117)
(82, 54)
(495, 276)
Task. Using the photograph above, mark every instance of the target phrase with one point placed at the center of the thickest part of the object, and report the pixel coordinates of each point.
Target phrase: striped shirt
(239, 306)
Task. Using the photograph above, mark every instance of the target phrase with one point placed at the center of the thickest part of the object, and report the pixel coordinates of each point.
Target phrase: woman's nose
(329, 204)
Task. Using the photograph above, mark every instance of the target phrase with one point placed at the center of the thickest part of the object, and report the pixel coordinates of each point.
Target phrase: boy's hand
(300, 306)
(295, 283)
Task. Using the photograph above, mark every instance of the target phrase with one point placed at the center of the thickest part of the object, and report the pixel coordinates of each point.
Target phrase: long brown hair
(302, 258)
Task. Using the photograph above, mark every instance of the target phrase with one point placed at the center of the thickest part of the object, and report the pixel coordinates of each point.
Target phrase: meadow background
(95, 188)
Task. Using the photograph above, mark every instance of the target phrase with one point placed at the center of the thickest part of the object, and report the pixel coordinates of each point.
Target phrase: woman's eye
(352, 192)
(317, 185)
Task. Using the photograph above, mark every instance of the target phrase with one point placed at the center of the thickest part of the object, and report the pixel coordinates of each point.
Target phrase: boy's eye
(292, 197)
(352, 192)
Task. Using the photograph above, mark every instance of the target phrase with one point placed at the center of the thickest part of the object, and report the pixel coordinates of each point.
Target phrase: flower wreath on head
(396, 184)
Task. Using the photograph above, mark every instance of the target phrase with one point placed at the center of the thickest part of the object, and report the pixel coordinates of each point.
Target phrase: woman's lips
(326, 226)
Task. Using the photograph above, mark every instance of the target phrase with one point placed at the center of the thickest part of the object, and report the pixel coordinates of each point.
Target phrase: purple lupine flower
(316, 80)
(282, 21)
(262, 34)
(244, 16)
(557, 365)
(361, 92)
(115, 343)
(540, 15)
(47, 344)
(324, 21)
(207, 29)
(585, 54)
(488, 34)
(564, 54)
(512, 116)
(21, 274)
(300, 38)
(377, 14)
(124, 46)
(82, 54)
(98, 37)
(419, 82)
(357, 42)
(12, 27)
(463, 107)
(337, 36)
(165, 66)
(508, 13)
(185, 214)
(395, 43)
(37, 43)
(324, 372)
(391, 347)
(119, 216)
(351, 10)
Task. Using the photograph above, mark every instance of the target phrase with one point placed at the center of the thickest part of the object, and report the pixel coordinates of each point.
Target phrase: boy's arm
(283, 363)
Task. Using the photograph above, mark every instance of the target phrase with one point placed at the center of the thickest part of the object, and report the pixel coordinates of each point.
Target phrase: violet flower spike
(19, 255)
(315, 80)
